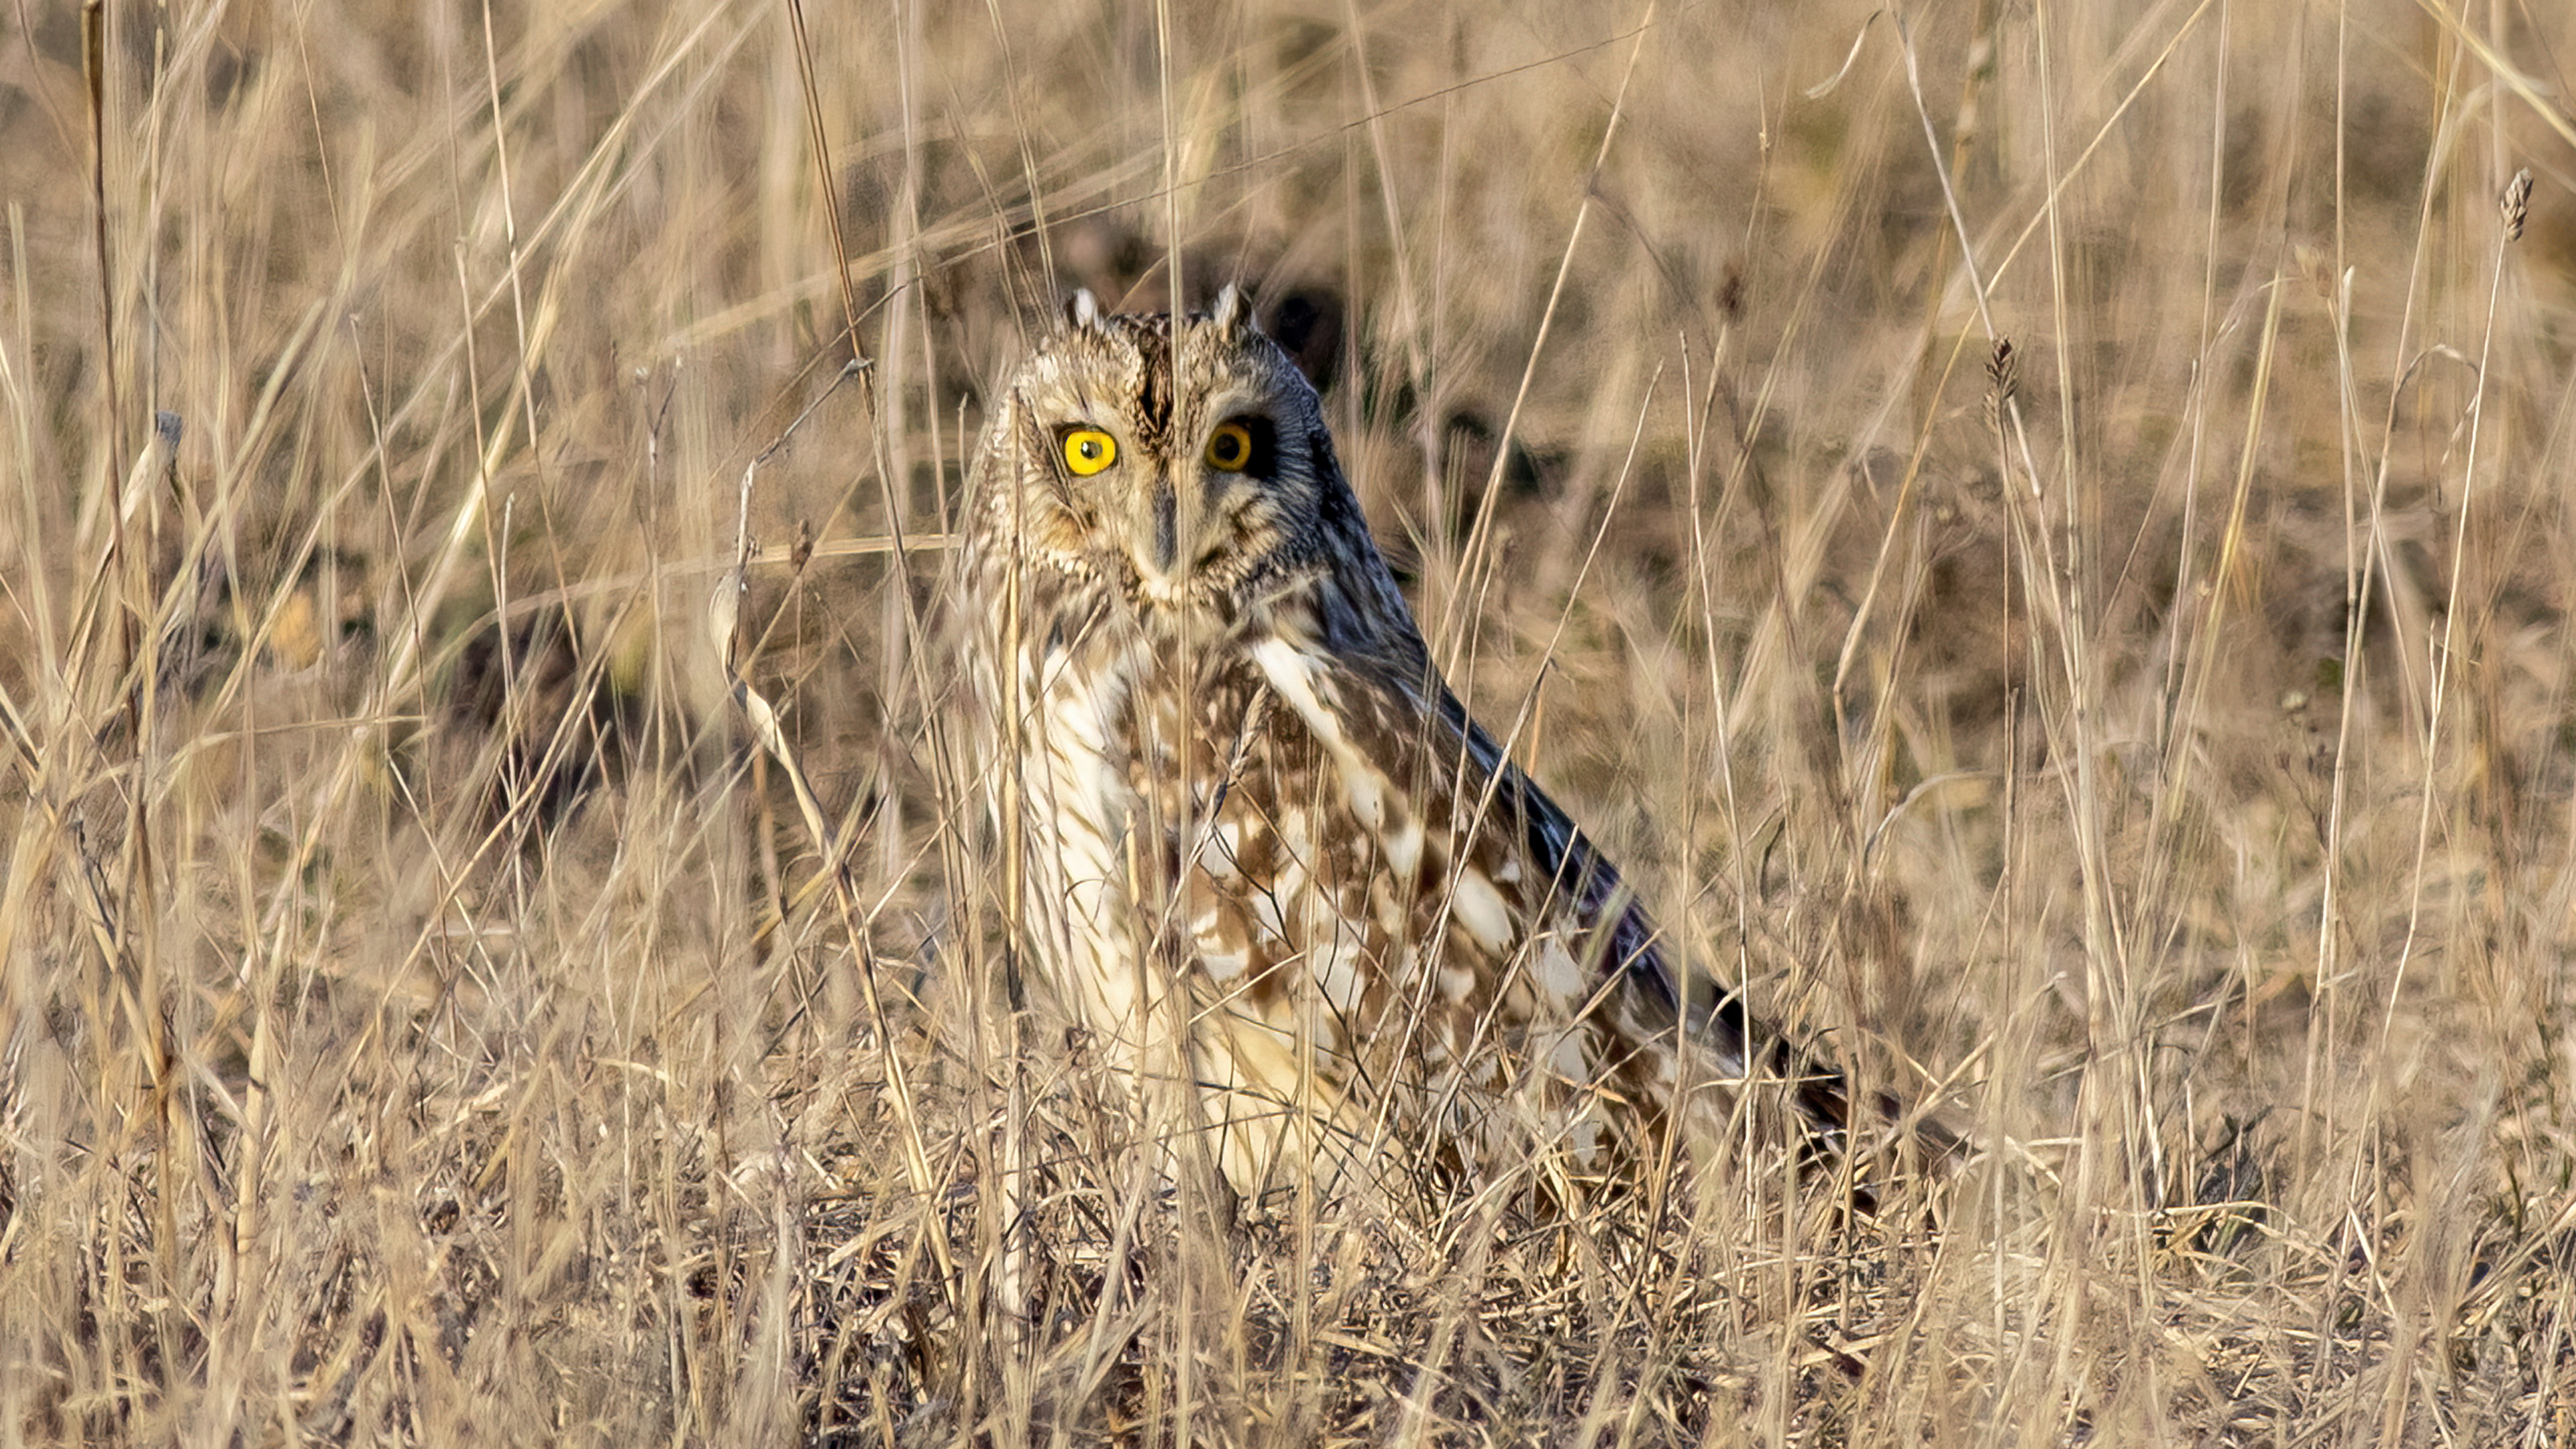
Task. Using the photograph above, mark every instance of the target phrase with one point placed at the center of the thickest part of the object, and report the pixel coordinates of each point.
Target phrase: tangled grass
(2038, 534)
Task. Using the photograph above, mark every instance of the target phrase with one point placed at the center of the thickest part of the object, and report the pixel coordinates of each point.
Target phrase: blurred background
(2037, 532)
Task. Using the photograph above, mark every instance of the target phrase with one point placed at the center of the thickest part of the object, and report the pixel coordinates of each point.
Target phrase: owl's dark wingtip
(1901, 1138)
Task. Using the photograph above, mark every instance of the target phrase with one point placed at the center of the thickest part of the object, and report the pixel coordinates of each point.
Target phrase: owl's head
(1184, 463)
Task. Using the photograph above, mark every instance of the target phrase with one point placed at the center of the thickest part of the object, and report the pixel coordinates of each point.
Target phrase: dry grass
(425, 1019)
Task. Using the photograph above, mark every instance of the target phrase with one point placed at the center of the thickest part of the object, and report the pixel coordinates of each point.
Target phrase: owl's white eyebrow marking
(1234, 402)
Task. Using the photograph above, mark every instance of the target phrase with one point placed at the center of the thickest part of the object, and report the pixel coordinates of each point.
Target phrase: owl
(1250, 838)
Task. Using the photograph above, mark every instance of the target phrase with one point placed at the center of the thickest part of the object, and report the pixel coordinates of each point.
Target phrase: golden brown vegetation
(426, 1019)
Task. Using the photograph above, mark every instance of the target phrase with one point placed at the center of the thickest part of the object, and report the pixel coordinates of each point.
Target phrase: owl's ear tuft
(1082, 311)
(1232, 314)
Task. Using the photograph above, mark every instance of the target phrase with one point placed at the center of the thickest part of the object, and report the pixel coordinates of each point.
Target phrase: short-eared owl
(1254, 841)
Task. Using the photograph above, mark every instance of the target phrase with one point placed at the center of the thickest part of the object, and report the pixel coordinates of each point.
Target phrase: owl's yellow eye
(1088, 450)
(1230, 448)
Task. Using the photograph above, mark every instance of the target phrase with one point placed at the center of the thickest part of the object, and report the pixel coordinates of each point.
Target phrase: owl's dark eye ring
(1088, 451)
(1229, 448)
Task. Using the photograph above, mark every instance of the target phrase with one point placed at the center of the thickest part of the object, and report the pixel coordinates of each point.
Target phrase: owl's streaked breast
(1219, 861)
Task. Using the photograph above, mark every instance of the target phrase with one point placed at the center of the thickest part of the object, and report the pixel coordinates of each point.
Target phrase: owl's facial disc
(1176, 458)
(1182, 529)
(1177, 510)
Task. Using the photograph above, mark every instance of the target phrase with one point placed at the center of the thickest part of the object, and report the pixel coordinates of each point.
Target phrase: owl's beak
(1161, 537)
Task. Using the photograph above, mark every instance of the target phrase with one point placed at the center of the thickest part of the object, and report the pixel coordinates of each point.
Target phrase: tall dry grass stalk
(2037, 533)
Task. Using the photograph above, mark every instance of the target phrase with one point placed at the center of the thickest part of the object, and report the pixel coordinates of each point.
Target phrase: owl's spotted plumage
(1255, 842)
